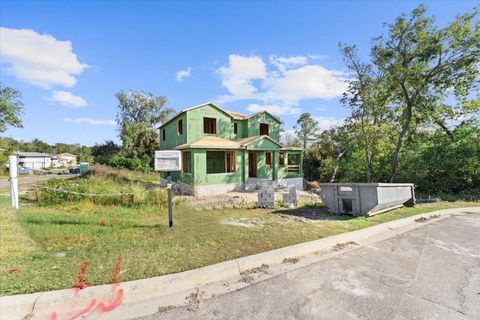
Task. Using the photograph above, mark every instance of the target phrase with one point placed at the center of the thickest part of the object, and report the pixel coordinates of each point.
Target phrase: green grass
(34, 240)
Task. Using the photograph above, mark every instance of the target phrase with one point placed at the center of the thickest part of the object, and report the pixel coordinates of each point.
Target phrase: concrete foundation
(214, 189)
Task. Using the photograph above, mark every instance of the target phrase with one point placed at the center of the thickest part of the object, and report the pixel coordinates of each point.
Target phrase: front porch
(249, 164)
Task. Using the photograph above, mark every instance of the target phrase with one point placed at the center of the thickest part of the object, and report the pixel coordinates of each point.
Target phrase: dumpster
(366, 199)
(83, 168)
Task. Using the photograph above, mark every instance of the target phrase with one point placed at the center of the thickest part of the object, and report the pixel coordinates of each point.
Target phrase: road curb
(144, 297)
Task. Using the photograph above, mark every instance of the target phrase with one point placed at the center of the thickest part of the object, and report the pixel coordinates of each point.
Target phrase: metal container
(83, 168)
(366, 198)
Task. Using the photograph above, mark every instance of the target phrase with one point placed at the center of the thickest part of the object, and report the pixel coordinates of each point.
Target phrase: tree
(139, 114)
(337, 141)
(424, 67)
(305, 128)
(103, 153)
(11, 108)
(368, 99)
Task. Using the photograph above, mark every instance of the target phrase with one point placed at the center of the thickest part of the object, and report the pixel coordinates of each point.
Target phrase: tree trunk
(403, 132)
(368, 164)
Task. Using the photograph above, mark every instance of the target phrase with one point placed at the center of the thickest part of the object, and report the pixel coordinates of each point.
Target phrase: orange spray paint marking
(14, 270)
(94, 305)
(116, 271)
(80, 280)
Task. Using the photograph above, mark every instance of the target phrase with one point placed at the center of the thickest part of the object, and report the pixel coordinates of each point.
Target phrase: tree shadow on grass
(313, 213)
(92, 223)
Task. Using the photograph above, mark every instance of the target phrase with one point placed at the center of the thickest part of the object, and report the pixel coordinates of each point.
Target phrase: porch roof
(212, 142)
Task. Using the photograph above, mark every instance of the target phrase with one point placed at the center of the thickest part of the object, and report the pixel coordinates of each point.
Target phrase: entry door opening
(252, 164)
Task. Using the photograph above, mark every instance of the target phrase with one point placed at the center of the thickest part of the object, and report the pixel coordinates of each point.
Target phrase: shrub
(97, 190)
(130, 163)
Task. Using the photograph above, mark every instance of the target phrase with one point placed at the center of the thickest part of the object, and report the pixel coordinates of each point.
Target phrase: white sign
(168, 160)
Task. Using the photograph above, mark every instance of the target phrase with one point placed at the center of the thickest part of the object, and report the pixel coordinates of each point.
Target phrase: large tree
(139, 114)
(368, 99)
(306, 128)
(11, 108)
(431, 73)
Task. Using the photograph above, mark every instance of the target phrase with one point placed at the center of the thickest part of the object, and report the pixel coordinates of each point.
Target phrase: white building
(65, 159)
(34, 160)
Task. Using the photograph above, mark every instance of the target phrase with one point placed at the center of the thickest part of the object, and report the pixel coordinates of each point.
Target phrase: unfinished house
(226, 151)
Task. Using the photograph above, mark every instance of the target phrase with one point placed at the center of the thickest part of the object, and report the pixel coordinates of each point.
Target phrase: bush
(97, 190)
(130, 163)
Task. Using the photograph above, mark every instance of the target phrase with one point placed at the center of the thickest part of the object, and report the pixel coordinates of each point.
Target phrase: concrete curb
(144, 297)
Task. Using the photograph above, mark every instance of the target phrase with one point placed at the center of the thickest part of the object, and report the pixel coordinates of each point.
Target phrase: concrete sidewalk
(147, 296)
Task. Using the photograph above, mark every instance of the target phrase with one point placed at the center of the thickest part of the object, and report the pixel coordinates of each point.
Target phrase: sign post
(13, 170)
(167, 161)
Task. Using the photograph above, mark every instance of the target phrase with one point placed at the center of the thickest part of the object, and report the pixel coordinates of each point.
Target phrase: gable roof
(232, 114)
(245, 142)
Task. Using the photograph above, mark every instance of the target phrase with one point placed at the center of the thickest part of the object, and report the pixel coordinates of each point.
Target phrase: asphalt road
(4, 183)
(432, 272)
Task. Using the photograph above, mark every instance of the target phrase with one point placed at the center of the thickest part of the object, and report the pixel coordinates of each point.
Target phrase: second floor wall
(208, 120)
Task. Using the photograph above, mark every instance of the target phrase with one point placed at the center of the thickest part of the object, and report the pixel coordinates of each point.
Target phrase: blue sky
(70, 58)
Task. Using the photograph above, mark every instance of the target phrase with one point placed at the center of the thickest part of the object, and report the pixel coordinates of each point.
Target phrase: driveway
(4, 183)
(432, 272)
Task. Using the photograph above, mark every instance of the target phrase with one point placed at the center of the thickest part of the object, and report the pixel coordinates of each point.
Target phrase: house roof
(219, 143)
(211, 143)
(234, 115)
(33, 154)
(65, 154)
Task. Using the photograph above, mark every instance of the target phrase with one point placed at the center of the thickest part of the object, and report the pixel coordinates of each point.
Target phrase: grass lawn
(42, 248)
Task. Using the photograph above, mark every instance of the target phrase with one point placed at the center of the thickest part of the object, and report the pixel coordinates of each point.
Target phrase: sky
(69, 59)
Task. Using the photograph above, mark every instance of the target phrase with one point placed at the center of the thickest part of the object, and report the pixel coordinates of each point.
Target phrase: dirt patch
(245, 199)
(194, 299)
(290, 260)
(343, 245)
(263, 268)
(247, 275)
(423, 219)
(245, 222)
(166, 309)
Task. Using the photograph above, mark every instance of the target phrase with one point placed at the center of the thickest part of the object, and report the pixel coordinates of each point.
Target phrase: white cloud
(275, 109)
(285, 63)
(238, 75)
(306, 82)
(285, 81)
(325, 123)
(90, 121)
(39, 59)
(182, 74)
(68, 99)
(321, 108)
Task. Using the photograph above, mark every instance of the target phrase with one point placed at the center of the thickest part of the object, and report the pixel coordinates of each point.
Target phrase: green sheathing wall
(173, 139)
(254, 125)
(195, 123)
(263, 144)
(242, 131)
(200, 169)
(282, 170)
